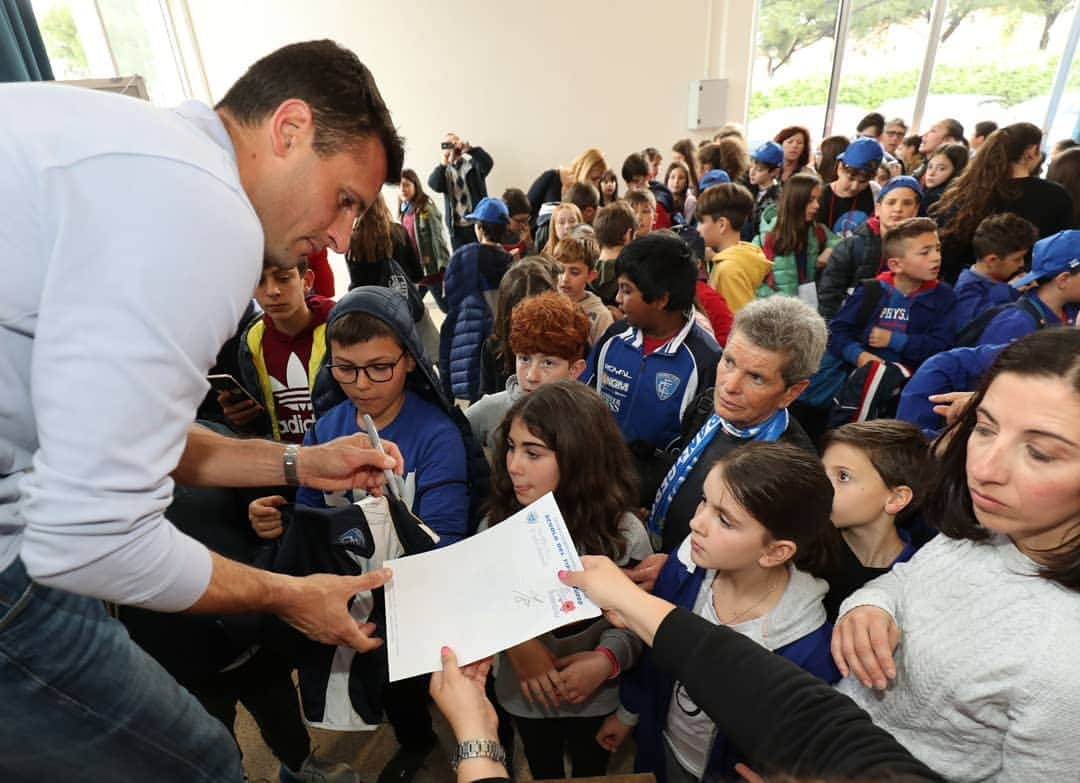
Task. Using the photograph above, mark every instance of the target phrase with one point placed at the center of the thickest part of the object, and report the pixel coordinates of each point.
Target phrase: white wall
(533, 83)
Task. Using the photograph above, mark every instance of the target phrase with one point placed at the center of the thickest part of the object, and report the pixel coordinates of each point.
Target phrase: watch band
(477, 749)
(288, 462)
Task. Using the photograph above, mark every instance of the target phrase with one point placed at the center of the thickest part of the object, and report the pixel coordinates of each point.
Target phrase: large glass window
(792, 66)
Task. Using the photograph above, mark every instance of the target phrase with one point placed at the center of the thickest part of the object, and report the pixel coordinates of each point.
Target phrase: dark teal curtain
(22, 52)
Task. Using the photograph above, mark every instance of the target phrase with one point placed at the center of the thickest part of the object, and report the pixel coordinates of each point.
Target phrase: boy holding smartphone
(279, 357)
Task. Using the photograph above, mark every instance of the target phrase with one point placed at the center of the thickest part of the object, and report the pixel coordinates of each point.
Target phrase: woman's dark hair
(830, 148)
(1065, 171)
(597, 479)
(686, 148)
(957, 154)
(420, 198)
(786, 489)
(790, 131)
(530, 276)
(872, 120)
(987, 181)
(660, 263)
(1046, 353)
(345, 102)
(791, 226)
(372, 240)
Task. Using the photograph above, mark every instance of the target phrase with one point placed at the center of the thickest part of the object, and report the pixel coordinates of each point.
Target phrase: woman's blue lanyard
(769, 430)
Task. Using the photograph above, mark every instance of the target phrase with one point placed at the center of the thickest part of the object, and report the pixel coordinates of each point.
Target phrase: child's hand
(879, 338)
(644, 573)
(238, 414)
(535, 667)
(265, 517)
(613, 733)
(582, 674)
(862, 644)
(865, 358)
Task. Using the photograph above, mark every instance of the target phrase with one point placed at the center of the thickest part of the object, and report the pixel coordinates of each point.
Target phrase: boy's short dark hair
(583, 195)
(1003, 234)
(985, 128)
(897, 450)
(635, 166)
(345, 102)
(493, 232)
(577, 249)
(660, 263)
(727, 200)
(711, 154)
(612, 222)
(300, 267)
(353, 328)
(872, 120)
(893, 244)
(914, 141)
(517, 203)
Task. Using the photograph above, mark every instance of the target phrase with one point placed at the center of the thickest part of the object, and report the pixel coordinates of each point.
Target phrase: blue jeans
(80, 701)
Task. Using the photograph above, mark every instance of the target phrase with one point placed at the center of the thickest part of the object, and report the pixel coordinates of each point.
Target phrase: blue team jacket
(649, 394)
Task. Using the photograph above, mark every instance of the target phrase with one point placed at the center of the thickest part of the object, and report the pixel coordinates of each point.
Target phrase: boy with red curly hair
(549, 335)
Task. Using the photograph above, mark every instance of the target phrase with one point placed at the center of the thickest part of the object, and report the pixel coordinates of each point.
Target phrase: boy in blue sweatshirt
(914, 317)
(1001, 245)
(1055, 267)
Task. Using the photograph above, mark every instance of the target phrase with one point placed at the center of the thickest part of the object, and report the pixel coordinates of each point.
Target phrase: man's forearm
(235, 587)
(213, 460)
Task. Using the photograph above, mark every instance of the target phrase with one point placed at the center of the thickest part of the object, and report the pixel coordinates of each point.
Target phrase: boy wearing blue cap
(848, 201)
(1001, 243)
(471, 287)
(766, 163)
(859, 257)
(1055, 266)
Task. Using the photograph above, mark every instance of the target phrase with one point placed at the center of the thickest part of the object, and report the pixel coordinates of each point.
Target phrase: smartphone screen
(227, 383)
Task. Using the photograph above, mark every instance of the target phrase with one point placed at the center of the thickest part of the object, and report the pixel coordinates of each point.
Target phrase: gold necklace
(739, 615)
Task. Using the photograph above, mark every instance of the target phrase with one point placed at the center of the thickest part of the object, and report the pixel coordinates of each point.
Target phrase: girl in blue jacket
(758, 544)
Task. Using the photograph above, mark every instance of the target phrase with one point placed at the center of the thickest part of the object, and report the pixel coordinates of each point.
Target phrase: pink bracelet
(611, 659)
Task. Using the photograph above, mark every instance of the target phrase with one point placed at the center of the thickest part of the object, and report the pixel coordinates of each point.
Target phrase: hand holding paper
(484, 594)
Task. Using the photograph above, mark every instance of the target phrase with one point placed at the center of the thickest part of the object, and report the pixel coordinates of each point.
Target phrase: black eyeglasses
(380, 372)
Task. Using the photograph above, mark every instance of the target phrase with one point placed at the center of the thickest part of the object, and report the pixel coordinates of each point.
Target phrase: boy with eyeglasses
(377, 361)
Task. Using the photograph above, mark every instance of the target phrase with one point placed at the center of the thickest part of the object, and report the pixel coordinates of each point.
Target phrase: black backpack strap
(1029, 307)
(872, 293)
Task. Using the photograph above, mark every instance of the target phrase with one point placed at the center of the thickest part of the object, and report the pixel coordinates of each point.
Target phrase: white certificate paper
(484, 594)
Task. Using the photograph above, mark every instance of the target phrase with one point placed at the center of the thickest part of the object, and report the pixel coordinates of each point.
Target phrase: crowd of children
(706, 370)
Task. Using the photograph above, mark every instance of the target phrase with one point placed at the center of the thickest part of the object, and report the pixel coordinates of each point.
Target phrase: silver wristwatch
(477, 749)
(288, 461)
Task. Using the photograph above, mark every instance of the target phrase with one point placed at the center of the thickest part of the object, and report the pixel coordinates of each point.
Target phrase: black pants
(264, 686)
(406, 705)
(546, 739)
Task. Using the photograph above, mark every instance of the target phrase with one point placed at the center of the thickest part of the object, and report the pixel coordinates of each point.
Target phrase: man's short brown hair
(549, 324)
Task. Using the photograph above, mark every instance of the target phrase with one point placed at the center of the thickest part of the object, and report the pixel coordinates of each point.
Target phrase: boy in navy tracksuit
(1055, 266)
(649, 366)
(914, 317)
(1001, 245)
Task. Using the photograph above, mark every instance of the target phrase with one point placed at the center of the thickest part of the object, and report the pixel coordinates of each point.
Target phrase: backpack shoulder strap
(872, 293)
(1029, 307)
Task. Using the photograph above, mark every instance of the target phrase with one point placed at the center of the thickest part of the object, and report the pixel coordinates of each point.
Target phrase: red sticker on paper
(568, 606)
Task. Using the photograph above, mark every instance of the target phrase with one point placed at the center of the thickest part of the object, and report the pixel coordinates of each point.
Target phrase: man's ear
(289, 125)
(792, 392)
(899, 499)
